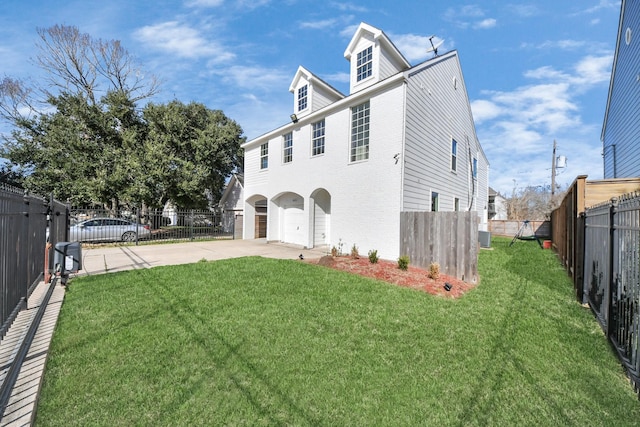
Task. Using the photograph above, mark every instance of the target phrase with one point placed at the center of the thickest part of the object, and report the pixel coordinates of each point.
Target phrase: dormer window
(302, 98)
(365, 63)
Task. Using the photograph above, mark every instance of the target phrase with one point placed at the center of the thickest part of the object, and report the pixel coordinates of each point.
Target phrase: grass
(255, 341)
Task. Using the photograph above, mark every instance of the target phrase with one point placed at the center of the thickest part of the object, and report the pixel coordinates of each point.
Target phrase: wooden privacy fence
(447, 238)
(509, 228)
(567, 221)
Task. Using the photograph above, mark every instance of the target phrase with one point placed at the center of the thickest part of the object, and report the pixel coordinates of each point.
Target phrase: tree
(191, 149)
(78, 63)
(92, 144)
(532, 203)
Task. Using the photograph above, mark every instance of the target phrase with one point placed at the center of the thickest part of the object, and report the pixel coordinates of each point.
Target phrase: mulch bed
(388, 271)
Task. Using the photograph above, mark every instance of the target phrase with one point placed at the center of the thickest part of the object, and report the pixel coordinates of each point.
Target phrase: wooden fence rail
(447, 238)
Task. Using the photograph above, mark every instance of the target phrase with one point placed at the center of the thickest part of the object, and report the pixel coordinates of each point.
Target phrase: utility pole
(553, 170)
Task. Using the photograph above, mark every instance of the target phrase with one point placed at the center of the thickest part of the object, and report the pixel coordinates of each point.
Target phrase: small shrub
(373, 256)
(334, 251)
(403, 262)
(340, 246)
(354, 252)
(434, 270)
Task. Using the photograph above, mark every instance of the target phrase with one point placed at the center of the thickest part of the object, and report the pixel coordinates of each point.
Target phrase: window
(434, 201)
(456, 204)
(317, 139)
(365, 62)
(360, 132)
(264, 155)
(454, 155)
(302, 98)
(287, 148)
(474, 168)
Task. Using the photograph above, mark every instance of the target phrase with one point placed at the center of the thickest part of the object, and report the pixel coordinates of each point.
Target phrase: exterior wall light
(294, 118)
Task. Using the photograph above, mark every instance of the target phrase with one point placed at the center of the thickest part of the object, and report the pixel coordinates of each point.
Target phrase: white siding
(437, 111)
(320, 98)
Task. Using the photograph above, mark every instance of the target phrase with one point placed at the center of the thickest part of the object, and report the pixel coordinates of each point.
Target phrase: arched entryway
(255, 221)
(321, 217)
(290, 220)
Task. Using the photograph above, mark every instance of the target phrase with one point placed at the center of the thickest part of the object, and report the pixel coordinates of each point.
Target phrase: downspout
(403, 142)
(471, 183)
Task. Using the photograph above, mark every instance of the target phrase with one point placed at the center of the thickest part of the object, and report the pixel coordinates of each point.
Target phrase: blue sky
(535, 70)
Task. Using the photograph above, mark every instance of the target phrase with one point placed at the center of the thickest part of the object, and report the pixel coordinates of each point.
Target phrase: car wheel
(129, 236)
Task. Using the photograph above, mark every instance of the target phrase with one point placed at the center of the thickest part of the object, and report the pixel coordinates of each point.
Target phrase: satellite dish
(434, 47)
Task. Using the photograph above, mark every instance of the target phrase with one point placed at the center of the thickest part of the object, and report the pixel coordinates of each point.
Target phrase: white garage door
(293, 223)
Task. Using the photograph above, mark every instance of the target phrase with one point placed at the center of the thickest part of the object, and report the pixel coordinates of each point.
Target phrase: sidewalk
(100, 260)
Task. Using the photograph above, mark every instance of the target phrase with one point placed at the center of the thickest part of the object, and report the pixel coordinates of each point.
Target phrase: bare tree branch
(15, 100)
(78, 63)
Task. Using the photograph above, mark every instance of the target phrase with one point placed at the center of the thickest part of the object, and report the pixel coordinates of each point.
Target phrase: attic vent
(627, 36)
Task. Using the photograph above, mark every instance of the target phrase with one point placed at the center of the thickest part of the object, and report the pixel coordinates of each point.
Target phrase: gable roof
(311, 78)
(379, 36)
(235, 179)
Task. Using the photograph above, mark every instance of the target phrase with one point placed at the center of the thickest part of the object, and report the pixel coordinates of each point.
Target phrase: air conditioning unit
(484, 238)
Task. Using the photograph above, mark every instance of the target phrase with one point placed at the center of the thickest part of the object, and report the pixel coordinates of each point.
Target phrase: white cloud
(254, 77)
(522, 124)
(484, 110)
(337, 77)
(603, 4)
(566, 44)
(348, 7)
(181, 40)
(204, 3)
(485, 23)
(469, 16)
(349, 31)
(318, 25)
(412, 46)
(523, 10)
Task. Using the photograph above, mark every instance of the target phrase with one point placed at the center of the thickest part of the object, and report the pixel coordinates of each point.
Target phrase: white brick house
(346, 166)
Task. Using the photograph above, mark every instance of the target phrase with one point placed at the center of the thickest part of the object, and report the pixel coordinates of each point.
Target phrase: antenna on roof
(434, 47)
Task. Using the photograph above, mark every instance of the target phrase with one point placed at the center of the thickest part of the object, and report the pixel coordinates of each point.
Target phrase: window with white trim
(264, 155)
(360, 132)
(474, 168)
(287, 148)
(456, 204)
(454, 155)
(434, 201)
(302, 98)
(364, 64)
(317, 139)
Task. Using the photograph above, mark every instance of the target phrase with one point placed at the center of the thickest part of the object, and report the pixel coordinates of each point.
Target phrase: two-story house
(343, 169)
(621, 128)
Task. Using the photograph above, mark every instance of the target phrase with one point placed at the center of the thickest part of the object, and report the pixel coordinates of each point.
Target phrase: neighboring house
(345, 168)
(232, 204)
(497, 205)
(621, 129)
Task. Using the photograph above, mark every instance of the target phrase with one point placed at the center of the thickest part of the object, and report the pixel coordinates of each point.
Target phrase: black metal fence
(135, 226)
(612, 275)
(23, 228)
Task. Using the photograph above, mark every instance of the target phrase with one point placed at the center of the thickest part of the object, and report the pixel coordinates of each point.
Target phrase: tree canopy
(87, 141)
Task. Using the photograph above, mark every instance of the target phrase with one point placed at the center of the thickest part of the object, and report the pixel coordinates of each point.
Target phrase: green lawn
(255, 341)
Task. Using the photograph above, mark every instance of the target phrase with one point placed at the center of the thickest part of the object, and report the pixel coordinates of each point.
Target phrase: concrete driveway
(99, 259)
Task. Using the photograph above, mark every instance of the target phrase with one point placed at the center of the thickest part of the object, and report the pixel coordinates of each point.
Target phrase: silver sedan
(108, 230)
